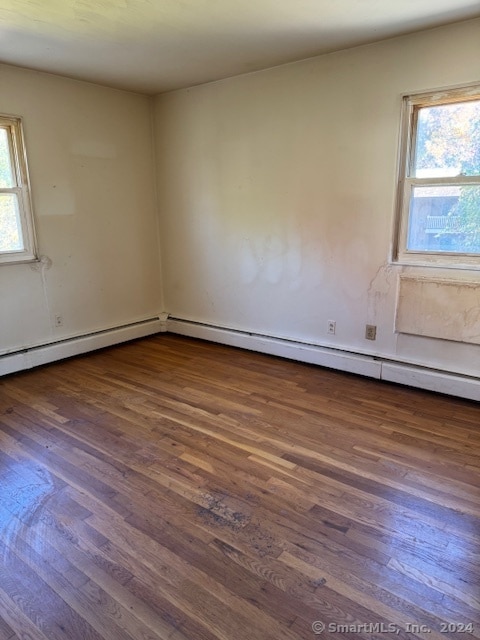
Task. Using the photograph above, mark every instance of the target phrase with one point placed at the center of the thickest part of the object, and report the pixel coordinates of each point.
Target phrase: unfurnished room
(239, 319)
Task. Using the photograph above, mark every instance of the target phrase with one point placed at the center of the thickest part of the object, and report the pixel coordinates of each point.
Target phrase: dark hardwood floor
(175, 489)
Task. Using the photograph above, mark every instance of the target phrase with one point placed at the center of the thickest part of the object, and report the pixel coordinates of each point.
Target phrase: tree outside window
(440, 181)
(17, 242)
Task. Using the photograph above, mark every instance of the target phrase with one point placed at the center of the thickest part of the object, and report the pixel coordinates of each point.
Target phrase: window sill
(19, 260)
(429, 264)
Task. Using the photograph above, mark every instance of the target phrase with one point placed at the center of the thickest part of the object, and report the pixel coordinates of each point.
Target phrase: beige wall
(91, 167)
(277, 195)
(276, 202)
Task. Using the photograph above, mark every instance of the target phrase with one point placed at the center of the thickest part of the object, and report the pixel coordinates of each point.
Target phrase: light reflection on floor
(25, 489)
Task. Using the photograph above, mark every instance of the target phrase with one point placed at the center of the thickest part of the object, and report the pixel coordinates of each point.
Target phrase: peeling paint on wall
(378, 290)
(44, 264)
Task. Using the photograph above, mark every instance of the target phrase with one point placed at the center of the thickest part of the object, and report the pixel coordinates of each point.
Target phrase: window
(17, 242)
(439, 182)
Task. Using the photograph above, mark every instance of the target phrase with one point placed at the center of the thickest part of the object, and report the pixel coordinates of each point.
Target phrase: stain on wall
(439, 308)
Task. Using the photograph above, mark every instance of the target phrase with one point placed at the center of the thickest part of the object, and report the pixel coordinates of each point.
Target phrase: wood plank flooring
(174, 489)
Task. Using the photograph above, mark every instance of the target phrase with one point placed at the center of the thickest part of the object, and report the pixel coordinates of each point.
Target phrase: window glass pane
(448, 140)
(445, 218)
(6, 173)
(10, 226)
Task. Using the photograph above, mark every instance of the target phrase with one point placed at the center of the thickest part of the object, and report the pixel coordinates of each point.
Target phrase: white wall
(277, 195)
(90, 156)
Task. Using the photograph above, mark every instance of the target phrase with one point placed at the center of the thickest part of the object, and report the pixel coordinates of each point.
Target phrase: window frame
(18, 158)
(411, 103)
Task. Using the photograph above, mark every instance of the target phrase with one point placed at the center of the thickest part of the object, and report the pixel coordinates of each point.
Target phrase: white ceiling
(153, 46)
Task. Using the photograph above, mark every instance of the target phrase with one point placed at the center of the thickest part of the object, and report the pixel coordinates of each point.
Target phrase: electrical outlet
(371, 332)
(332, 325)
(59, 321)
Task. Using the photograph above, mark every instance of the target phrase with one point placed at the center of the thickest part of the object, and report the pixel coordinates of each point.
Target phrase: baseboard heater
(43, 354)
(362, 364)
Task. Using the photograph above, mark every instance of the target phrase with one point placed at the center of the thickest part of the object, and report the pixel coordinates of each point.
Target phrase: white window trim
(408, 128)
(20, 168)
